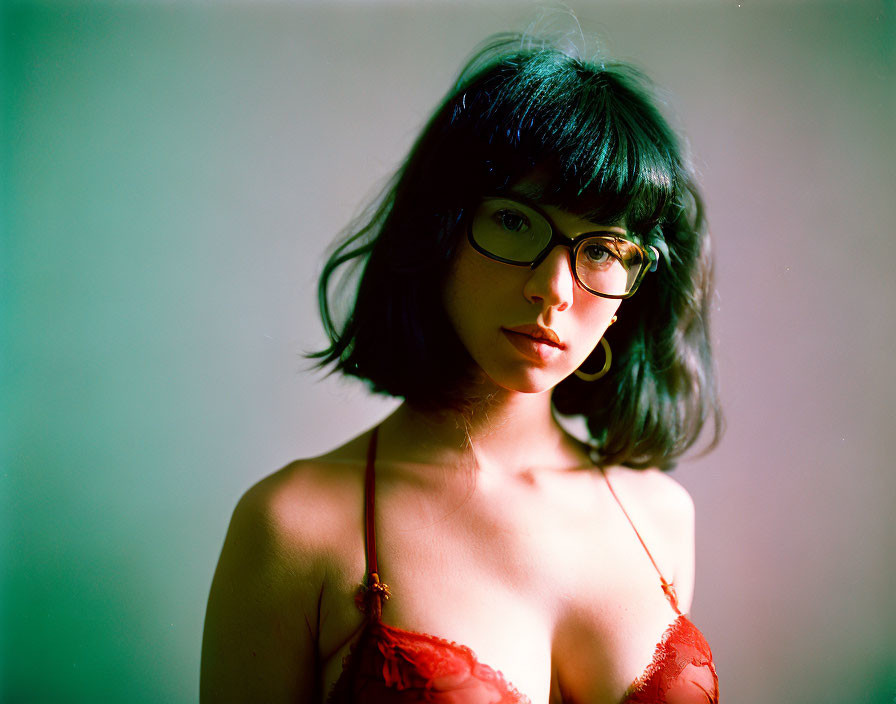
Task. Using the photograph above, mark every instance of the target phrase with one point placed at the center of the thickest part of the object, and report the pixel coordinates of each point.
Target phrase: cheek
(473, 271)
(608, 308)
(457, 296)
(470, 289)
(597, 314)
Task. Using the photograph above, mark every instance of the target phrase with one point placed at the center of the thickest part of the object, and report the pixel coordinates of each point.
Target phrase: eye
(597, 253)
(511, 220)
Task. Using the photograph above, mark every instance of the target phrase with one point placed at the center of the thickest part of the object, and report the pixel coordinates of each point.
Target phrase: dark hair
(600, 147)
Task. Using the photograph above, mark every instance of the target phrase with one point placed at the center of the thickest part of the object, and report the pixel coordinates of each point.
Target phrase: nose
(552, 282)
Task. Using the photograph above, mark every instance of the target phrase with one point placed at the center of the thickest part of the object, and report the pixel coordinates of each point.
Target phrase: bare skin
(494, 531)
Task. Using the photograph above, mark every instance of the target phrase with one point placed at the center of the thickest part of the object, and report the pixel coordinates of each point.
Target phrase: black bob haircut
(600, 148)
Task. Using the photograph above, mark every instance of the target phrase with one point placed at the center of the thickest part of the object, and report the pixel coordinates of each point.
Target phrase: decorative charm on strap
(370, 597)
(669, 591)
(378, 587)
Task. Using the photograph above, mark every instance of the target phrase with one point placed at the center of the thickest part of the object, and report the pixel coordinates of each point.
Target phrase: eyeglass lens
(513, 231)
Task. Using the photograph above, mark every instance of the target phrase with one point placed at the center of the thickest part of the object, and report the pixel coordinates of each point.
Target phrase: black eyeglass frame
(649, 256)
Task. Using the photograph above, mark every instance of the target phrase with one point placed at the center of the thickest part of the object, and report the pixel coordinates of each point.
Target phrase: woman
(546, 201)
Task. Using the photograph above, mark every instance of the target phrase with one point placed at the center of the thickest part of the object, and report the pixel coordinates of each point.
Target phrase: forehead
(568, 222)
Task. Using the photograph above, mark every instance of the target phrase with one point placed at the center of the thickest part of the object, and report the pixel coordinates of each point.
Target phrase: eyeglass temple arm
(655, 260)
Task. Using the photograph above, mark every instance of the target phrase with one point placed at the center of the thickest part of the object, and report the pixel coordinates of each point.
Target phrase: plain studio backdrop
(172, 177)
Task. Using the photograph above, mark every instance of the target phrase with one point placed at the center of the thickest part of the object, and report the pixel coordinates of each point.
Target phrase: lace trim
(394, 638)
(659, 655)
(405, 640)
(480, 670)
(662, 654)
(422, 666)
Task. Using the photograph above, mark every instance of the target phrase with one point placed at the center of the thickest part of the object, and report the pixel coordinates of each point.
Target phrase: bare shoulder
(656, 493)
(301, 508)
(293, 540)
(305, 521)
(666, 510)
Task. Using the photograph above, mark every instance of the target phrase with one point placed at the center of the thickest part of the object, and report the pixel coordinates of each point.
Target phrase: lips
(541, 350)
(541, 334)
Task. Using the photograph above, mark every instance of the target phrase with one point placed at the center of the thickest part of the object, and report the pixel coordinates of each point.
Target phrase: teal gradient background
(172, 176)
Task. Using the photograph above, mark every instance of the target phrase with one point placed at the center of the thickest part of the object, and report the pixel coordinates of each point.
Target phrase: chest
(552, 589)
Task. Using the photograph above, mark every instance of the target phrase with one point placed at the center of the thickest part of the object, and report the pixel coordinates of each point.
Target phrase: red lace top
(389, 665)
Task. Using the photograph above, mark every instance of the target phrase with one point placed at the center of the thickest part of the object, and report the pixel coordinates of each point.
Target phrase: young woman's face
(487, 299)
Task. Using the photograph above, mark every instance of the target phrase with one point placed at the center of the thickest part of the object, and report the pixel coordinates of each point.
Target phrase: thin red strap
(370, 506)
(375, 592)
(668, 587)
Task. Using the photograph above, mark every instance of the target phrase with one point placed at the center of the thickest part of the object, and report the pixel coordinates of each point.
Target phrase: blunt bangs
(584, 133)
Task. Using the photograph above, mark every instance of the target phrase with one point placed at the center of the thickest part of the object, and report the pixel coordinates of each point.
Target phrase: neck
(504, 431)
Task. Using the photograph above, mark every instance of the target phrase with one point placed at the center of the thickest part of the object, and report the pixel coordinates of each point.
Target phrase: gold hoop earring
(585, 376)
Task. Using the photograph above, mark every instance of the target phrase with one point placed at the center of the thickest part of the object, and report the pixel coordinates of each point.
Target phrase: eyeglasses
(520, 234)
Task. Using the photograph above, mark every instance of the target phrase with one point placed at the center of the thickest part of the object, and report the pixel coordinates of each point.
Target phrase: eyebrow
(535, 192)
(532, 191)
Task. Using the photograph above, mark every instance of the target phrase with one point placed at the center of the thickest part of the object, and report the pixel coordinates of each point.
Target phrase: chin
(528, 382)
